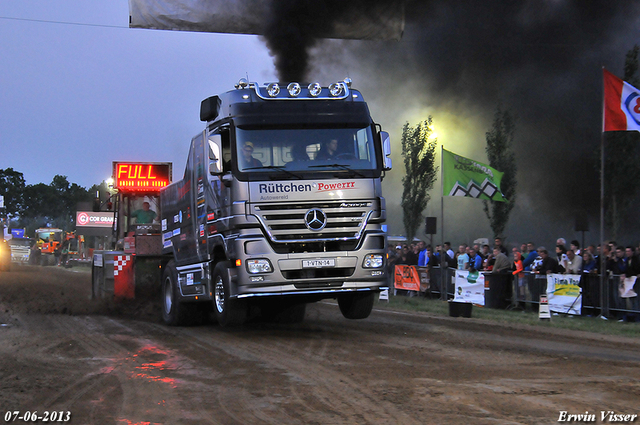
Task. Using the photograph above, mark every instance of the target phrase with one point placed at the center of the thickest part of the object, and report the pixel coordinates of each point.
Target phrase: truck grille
(287, 223)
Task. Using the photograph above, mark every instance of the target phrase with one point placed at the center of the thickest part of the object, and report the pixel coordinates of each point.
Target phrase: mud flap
(124, 276)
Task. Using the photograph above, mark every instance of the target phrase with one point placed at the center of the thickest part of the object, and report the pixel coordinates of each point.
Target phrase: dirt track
(116, 364)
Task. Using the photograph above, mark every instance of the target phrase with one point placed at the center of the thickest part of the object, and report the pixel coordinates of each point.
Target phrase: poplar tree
(420, 173)
(502, 158)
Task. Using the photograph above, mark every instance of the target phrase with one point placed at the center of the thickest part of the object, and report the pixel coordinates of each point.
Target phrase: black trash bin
(497, 292)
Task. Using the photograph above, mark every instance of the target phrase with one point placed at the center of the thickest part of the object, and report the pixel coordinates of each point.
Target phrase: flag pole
(603, 261)
(443, 273)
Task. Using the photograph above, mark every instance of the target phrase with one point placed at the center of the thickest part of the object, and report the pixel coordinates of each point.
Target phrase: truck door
(217, 194)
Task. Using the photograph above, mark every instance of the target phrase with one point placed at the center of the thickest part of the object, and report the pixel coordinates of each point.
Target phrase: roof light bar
(294, 91)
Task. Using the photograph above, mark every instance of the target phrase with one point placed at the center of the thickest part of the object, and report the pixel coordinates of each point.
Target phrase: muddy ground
(108, 363)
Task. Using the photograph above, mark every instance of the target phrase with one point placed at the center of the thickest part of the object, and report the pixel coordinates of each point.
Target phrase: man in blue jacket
(533, 254)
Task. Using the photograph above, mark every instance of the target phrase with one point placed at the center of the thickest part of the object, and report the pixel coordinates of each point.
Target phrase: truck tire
(356, 306)
(174, 312)
(228, 311)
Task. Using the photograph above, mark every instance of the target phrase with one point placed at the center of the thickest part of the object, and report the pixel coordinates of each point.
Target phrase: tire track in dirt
(318, 393)
(129, 366)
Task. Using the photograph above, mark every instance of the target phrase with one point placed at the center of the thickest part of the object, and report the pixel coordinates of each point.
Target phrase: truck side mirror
(227, 179)
(386, 150)
(215, 154)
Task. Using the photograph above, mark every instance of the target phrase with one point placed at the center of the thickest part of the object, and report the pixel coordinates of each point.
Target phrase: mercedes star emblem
(315, 219)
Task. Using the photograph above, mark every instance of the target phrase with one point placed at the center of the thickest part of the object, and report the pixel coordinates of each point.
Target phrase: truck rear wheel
(228, 311)
(174, 312)
(356, 306)
(96, 284)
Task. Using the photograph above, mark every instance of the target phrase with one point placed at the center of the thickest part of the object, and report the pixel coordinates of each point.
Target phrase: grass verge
(519, 317)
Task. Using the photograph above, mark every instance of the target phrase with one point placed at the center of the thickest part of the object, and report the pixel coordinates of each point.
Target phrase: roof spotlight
(347, 82)
(335, 89)
(273, 89)
(294, 89)
(315, 89)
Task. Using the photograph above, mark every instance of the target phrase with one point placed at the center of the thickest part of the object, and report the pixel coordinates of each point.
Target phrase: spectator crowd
(620, 260)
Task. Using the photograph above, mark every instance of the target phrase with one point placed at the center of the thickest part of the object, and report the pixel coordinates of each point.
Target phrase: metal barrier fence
(505, 291)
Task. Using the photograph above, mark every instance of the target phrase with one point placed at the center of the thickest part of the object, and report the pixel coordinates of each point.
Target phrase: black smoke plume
(294, 26)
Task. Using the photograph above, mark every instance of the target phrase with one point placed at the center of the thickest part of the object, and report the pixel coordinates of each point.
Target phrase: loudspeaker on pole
(430, 224)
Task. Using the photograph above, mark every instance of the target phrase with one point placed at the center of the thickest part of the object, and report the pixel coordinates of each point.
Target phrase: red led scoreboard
(141, 176)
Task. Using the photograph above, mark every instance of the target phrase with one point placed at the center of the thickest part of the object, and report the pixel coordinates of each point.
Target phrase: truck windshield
(49, 236)
(297, 152)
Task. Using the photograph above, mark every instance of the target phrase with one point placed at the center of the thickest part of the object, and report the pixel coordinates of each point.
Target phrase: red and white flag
(621, 104)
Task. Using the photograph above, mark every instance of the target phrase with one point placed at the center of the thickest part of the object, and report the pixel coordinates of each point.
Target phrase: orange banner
(411, 278)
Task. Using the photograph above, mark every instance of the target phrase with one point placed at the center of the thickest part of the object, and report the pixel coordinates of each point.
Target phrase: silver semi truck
(280, 205)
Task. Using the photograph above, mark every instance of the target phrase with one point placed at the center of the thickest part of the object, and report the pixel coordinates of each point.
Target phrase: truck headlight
(258, 266)
(373, 261)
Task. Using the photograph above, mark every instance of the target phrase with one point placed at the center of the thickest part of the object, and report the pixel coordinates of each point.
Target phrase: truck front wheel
(228, 311)
(356, 306)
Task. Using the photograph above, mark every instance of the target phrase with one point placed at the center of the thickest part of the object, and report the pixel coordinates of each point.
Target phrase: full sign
(141, 177)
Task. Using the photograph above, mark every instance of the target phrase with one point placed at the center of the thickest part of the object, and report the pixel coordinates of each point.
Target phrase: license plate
(319, 263)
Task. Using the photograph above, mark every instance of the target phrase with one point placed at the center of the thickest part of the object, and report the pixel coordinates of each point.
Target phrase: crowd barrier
(505, 291)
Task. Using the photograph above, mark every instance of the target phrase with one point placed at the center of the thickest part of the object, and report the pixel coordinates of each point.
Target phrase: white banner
(469, 287)
(626, 287)
(381, 21)
(564, 293)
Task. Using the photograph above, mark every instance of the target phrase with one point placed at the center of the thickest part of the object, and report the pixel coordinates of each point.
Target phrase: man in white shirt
(573, 264)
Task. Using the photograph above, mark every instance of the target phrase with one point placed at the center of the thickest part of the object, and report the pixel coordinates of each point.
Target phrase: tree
(12, 187)
(419, 163)
(502, 158)
(53, 204)
(621, 168)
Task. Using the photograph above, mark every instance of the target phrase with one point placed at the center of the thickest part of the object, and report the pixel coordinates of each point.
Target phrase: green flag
(465, 177)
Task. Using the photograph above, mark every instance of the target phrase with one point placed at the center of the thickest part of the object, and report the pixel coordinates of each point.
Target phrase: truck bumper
(316, 274)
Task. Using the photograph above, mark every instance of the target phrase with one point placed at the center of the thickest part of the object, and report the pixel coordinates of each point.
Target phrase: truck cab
(280, 204)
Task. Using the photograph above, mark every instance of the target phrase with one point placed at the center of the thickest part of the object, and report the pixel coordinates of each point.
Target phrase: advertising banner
(412, 278)
(469, 287)
(94, 219)
(564, 293)
(406, 278)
